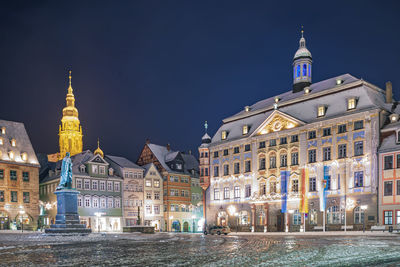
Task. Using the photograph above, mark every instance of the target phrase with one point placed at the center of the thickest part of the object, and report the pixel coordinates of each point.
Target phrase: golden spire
(98, 151)
(302, 31)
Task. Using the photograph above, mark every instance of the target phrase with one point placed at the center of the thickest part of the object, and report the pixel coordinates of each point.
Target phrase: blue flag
(326, 187)
(284, 182)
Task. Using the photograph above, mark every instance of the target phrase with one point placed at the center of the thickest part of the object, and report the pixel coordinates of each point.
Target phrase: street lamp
(21, 213)
(364, 208)
(193, 217)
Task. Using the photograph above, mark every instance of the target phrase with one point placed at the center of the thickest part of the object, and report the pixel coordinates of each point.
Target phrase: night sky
(159, 69)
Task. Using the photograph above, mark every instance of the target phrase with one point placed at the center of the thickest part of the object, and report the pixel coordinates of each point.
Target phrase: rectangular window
(295, 186)
(148, 195)
(358, 179)
(157, 183)
(247, 166)
(78, 184)
(216, 171)
(237, 192)
(215, 154)
(25, 176)
(388, 215)
(283, 161)
(1, 196)
(338, 181)
(326, 131)
(327, 153)
(13, 175)
(87, 184)
(102, 186)
(272, 142)
(226, 169)
(312, 155)
(272, 162)
(102, 170)
(226, 152)
(398, 187)
(388, 188)
(157, 195)
(156, 209)
(1, 174)
(148, 183)
(312, 134)
(358, 125)
(397, 216)
(294, 138)
(342, 128)
(263, 189)
(25, 196)
(295, 158)
(283, 141)
(248, 190)
(14, 196)
(313, 184)
(247, 147)
(245, 129)
(94, 185)
(358, 148)
(321, 111)
(272, 187)
(236, 167)
(261, 144)
(262, 164)
(351, 103)
(342, 151)
(109, 186)
(236, 150)
(226, 193)
(398, 161)
(328, 182)
(216, 193)
(388, 162)
(95, 169)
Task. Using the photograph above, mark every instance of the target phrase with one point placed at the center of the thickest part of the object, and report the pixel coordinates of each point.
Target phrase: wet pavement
(197, 250)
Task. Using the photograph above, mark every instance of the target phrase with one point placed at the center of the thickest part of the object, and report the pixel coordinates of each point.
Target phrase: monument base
(67, 218)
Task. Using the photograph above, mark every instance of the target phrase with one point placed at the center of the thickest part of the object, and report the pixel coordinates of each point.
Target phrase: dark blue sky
(159, 69)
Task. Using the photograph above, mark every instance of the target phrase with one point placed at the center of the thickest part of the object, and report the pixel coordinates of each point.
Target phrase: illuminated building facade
(70, 131)
(302, 160)
(19, 178)
(177, 169)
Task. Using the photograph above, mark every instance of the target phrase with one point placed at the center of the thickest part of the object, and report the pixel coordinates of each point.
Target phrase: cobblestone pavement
(198, 250)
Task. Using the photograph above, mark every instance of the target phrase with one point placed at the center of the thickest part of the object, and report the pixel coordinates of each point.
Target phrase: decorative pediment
(98, 159)
(276, 122)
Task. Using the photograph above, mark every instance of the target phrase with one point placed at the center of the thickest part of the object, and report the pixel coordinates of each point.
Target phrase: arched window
(335, 215)
(358, 215)
(298, 71)
(305, 70)
(309, 70)
(296, 217)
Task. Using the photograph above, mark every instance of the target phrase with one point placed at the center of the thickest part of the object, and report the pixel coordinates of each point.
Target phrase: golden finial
(70, 78)
(98, 142)
(98, 151)
(302, 31)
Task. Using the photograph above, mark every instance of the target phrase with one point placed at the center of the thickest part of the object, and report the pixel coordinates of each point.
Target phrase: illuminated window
(13, 142)
(3, 130)
(24, 156)
(245, 129)
(305, 70)
(321, 111)
(223, 135)
(1, 141)
(298, 71)
(11, 155)
(351, 103)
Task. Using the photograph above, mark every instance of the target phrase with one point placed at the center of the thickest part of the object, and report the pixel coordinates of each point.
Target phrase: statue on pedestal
(66, 173)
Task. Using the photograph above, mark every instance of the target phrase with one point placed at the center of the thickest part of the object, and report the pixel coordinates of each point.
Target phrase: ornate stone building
(304, 159)
(19, 178)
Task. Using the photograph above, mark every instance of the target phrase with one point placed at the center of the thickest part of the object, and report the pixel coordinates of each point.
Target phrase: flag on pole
(325, 188)
(304, 198)
(284, 179)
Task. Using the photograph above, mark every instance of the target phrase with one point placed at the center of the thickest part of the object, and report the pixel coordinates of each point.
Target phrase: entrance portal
(279, 222)
(186, 227)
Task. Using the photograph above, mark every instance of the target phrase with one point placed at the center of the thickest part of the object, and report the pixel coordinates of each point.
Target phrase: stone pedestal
(67, 218)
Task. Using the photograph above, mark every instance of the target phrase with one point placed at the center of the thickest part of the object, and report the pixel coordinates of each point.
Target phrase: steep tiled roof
(123, 162)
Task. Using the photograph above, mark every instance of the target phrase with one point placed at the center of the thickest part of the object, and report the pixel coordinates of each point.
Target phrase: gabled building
(132, 189)
(177, 170)
(389, 173)
(99, 201)
(19, 178)
(305, 159)
(153, 198)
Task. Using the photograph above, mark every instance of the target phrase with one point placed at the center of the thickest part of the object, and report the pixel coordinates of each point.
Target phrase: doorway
(186, 227)
(279, 222)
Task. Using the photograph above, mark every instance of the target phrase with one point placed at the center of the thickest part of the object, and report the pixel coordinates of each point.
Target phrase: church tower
(302, 62)
(70, 131)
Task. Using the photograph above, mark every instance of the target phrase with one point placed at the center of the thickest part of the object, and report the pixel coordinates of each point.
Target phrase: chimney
(147, 141)
(168, 147)
(389, 92)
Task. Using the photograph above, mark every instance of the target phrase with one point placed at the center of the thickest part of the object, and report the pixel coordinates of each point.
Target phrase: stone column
(266, 217)
(253, 217)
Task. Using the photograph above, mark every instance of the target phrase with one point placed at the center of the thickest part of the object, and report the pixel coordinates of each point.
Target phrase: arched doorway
(4, 221)
(186, 227)
(176, 226)
(222, 218)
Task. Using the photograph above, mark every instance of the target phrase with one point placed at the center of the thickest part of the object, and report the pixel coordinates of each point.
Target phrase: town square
(200, 133)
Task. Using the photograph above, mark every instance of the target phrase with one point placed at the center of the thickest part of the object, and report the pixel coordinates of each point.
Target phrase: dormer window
(351, 103)
(11, 154)
(3, 130)
(394, 117)
(83, 168)
(111, 171)
(179, 166)
(339, 81)
(247, 108)
(1, 141)
(13, 142)
(321, 111)
(24, 156)
(245, 129)
(224, 135)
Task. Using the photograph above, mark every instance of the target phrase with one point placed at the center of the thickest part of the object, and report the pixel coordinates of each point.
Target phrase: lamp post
(193, 217)
(21, 213)
(364, 208)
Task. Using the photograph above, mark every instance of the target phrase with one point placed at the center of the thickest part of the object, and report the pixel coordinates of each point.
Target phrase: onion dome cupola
(206, 139)
(302, 62)
(98, 151)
